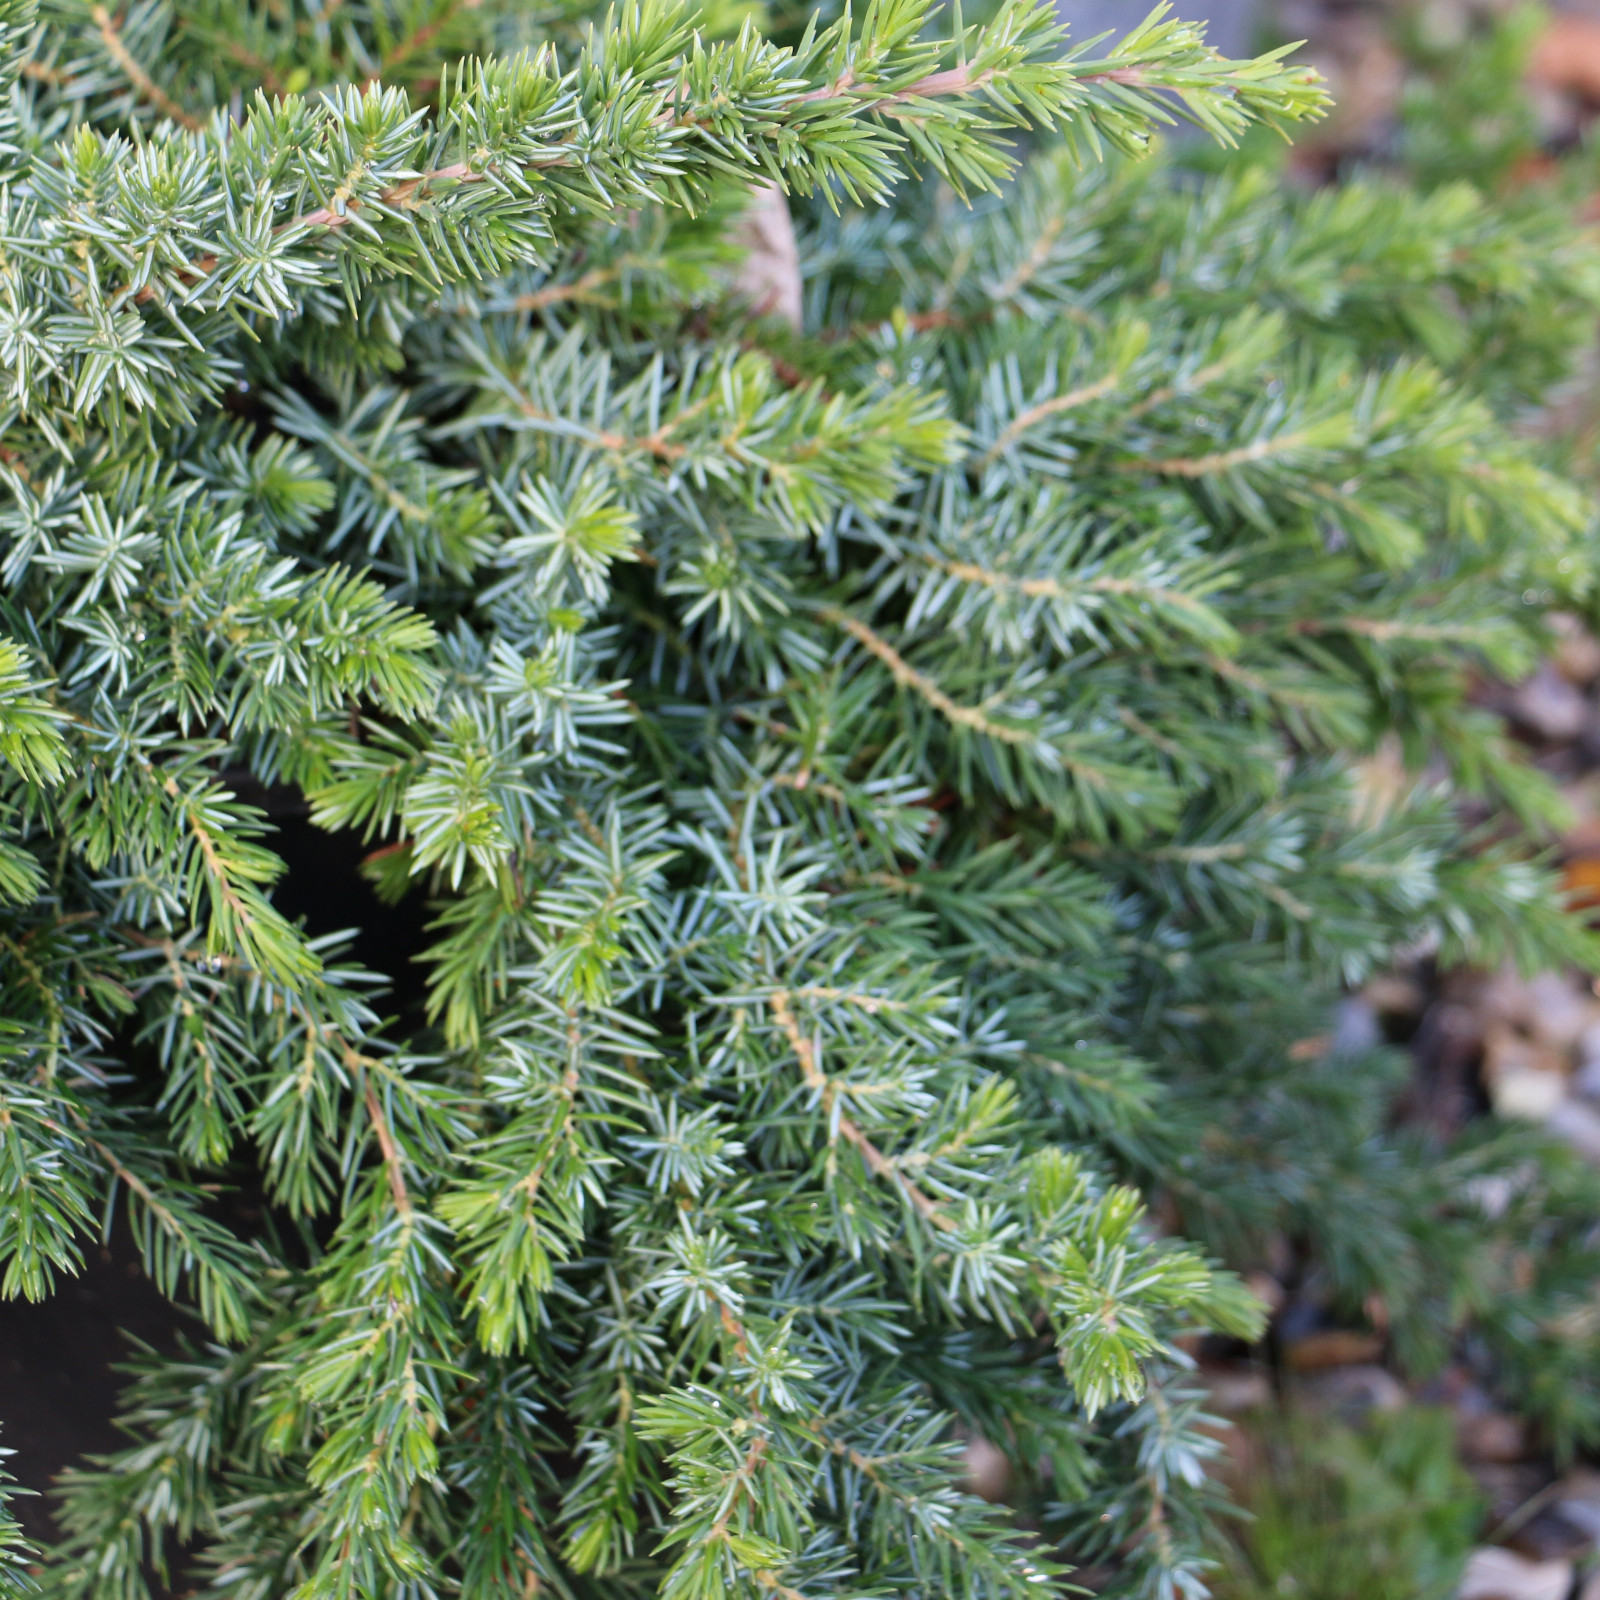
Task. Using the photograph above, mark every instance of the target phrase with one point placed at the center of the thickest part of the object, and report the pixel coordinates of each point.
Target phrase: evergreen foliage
(1385, 1511)
(885, 793)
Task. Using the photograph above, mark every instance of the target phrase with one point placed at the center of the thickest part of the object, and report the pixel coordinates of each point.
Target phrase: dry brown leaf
(1492, 1436)
(1567, 57)
(1334, 1347)
(1581, 880)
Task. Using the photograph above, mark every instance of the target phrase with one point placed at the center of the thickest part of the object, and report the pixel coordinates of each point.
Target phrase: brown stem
(741, 1488)
(817, 1080)
(554, 293)
(954, 80)
(1053, 589)
(1024, 420)
(136, 75)
(1159, 397)
(1132, 76)
(1381, 630)
(136, 1185)
(907, 676)
(392, 1161)
(398, 194)
(872, 1004)
(40, 73)
(1221, 461)
(216, 870)
(806, 783)
(408, 47)
(774, 1585)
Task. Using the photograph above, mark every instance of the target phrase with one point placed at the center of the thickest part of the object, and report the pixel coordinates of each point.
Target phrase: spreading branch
(826, 1090)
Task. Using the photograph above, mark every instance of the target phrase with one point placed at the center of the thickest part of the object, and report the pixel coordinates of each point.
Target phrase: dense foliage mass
(886, 791)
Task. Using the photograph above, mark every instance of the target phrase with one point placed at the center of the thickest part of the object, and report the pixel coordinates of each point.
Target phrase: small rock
(769, 276)
(1353, 1392)
(1366, 75)
(1578, 1125)
(1525, 1078)
(1492, 1436)
(1528, 1093)
(1266, 1288)
(1586, 1080)
(1232, 1390)
(1503, 997)
(1580, 878)
(1455, 1387)
(1507, 1486)
(1581, 796)
(1588, 1049)
(1494, 1574)
(1558, 1012)
(1578, 1500)
(1508, 1045)
(1356, 1029)
(1549, 706)
(1567, 57)
(1302, 1315)
(987, 1471)
(1491, 1192)
(1551, 1535)
(1577, 654)
(1333, 1347)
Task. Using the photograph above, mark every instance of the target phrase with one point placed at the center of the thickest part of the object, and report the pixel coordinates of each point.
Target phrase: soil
(58, 1360)
(58, 1383)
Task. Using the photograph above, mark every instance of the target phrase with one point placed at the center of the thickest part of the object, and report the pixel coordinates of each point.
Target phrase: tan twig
(870, 1003)
(827, 1092)
(1222, 461)
(392, 1161)
(1170, 391)
(136, 75)
(1020, 424)
(554, 293)
(908, 677)
(1054, 589)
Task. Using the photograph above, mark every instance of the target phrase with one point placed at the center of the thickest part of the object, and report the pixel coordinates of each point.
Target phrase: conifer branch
(908, 677)
(774, 1585)
(1086, 394)
(1219, 461)
(144, 85)
(1166, 392)
(1056, 589)
(822, 1086)
(393, 1162)
(583, 288)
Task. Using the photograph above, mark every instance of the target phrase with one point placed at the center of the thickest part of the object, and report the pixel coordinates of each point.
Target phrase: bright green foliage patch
(1384, 1510)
